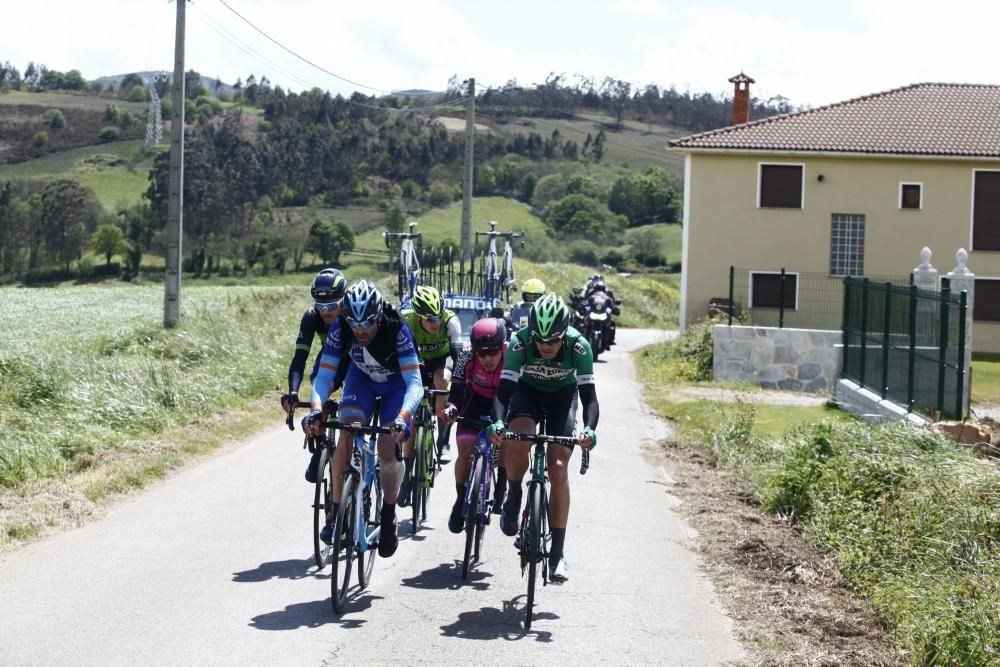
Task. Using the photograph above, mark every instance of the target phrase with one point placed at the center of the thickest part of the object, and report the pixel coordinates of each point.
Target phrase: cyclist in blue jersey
(381, 362)
(327, 290)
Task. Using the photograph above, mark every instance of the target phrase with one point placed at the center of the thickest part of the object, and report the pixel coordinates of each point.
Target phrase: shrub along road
(213, 566)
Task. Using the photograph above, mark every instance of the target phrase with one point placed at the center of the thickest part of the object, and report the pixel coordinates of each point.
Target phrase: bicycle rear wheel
(371, 510)
(322, 506)
(534, 547)
(342, 557)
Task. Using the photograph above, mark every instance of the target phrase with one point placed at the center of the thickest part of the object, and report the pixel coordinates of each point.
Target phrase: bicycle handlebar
(289, 419)
(359, 428)
(557, 439)
(475, 423)
(402, 236)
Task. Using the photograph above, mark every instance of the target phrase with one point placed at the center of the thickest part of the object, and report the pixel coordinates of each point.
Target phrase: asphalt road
(214, 567)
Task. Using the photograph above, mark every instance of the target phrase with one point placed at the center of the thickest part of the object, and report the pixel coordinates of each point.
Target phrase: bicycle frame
(362, 472)
(485, 450)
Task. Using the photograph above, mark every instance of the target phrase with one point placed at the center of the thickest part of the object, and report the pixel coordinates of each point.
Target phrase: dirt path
(789, 602)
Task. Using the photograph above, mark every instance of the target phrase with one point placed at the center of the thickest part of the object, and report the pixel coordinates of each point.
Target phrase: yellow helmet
(532, 289)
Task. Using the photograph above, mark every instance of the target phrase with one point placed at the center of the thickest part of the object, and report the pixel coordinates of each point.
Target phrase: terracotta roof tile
(921, 119)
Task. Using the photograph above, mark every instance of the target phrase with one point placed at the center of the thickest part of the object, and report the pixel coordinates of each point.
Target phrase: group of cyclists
(517, 369)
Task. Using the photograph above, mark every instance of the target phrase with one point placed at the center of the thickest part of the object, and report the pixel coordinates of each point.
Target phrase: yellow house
(853, 188)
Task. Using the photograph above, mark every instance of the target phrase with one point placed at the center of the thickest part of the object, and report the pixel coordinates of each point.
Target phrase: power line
(309, 62)
(223, 32)
(246, 48)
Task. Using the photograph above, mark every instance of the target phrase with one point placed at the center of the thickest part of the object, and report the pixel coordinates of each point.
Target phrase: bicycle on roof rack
(498, 274)
(408, 270)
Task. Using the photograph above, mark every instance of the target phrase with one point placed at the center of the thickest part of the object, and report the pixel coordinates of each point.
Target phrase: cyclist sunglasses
(546, 341)
(430, 318)
(327, 307)
(492, 352)
(361, 324)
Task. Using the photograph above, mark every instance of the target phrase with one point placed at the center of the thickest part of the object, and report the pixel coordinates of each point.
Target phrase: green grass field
(112, 184)
(108, 375)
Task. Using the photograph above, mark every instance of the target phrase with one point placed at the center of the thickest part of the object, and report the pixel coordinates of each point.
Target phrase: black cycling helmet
(364, 304)
(488, 334)
(328, 286)
(549, 317)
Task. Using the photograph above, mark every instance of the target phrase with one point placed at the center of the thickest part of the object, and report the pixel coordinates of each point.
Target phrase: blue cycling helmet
(364, 302)
(328, 286)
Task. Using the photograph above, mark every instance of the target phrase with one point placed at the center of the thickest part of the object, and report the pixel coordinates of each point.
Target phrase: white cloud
(639, 8)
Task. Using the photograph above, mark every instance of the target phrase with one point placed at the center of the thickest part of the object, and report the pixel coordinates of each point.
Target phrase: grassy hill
(118, 172)
(637, 144)
(446, 223)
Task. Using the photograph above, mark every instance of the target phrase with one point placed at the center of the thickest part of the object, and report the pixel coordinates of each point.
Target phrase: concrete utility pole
(175, 201)
(470, 142)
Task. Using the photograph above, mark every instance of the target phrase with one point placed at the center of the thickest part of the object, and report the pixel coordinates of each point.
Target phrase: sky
(808, 52)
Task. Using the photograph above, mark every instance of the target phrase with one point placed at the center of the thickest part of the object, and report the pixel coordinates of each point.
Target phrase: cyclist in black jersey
(327, 289)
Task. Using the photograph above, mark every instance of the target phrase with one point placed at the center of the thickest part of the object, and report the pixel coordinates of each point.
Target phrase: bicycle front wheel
(430, 469)
(472, 526)
(371, 510)
(534, 547)
(344, 536)
(417, 482)
(322, 507)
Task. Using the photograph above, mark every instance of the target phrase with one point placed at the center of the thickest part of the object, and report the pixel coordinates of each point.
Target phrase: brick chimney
(741, 98)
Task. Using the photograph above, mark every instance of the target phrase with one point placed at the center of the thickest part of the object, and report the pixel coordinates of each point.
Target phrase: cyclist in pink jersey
(474, 383)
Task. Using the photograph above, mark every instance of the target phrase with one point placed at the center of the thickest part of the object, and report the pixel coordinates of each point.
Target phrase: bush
(694, 351)
(584, 252)
(56, 119)
(108, 134)
(40, 139)
(441, 194)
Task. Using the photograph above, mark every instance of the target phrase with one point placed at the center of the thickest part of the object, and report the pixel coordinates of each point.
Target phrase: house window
(986, 307)
(986, 211)
(780, 186)
(911, 195)
(847, 245)
(766, 290)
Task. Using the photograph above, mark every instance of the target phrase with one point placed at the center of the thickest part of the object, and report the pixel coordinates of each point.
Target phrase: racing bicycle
(534, 534)
(409, 265)
(425, 462)
(498, 275)
(478, 502)
(322, 502)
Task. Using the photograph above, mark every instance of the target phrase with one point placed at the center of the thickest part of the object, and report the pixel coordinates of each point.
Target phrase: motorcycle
(596, 313)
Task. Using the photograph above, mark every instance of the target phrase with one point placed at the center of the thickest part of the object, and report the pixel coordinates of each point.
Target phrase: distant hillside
(149, 76)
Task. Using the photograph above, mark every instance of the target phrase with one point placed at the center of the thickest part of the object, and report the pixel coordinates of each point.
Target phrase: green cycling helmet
(427, 302)
(549, 317)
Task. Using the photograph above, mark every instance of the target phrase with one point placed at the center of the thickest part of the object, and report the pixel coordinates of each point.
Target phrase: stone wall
(791, 359)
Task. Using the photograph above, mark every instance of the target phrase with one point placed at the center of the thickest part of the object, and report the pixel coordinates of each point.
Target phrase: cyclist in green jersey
(437, 332)
(548, 365)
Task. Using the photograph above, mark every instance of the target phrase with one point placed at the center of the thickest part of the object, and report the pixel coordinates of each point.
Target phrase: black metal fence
(906, 344)
(783, 298)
